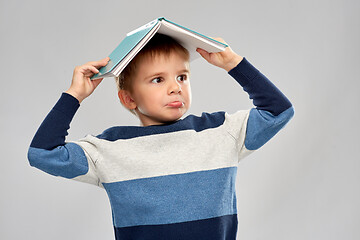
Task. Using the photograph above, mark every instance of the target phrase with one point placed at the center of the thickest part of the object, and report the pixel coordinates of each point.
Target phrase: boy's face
(161, 89)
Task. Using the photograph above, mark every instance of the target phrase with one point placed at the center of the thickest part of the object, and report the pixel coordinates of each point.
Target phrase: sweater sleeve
(48, 150)
(272, 109)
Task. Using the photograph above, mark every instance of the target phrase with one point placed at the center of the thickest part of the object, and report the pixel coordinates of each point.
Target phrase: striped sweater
(171, 181)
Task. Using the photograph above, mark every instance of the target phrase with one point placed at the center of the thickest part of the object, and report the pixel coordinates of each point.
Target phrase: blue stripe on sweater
(224, 227)
(68, 161)
(173, 198)
(262, 126)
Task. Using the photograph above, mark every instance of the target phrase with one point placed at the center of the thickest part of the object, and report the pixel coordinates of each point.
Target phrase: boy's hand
(81, 85)
(227, 59)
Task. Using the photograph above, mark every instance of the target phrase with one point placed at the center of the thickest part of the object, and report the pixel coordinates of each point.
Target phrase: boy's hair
(159, 44)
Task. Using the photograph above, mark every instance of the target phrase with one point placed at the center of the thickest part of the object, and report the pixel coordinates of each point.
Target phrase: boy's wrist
(233, 63)
(75, 95)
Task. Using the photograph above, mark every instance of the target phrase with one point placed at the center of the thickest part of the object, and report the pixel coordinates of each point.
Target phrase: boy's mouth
(175, 104)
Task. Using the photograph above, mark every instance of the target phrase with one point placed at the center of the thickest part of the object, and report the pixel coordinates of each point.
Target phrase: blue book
(137, 39)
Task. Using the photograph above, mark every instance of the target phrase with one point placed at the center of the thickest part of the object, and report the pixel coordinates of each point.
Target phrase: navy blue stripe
(266, 96)
(53, 130)
(206, 121)
(223, 227)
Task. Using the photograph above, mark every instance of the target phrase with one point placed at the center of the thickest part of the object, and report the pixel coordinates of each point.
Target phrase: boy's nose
(174, 87)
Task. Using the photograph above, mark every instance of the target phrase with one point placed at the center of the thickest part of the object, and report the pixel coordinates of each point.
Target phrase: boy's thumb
(203, 53)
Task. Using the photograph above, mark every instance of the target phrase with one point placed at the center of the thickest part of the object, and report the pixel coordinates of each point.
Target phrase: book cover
(137, 39)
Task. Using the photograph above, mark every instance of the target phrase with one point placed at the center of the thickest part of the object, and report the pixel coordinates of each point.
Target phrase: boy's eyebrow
(161, 73)
(154, 75)
(185, 70)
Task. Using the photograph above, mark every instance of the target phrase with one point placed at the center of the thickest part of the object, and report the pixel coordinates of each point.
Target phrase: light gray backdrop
(304, 184)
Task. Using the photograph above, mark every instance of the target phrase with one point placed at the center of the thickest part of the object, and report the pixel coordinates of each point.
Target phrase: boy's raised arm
(48, 150)
(273, 110)
(53, 129)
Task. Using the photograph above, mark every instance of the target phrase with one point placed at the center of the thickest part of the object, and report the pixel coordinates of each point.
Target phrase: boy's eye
(181, 78)
(156, 80)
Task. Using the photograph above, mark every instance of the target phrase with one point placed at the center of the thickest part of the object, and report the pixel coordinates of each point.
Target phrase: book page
(189, 39)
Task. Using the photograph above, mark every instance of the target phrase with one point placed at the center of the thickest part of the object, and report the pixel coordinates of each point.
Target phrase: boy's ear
(126, 99)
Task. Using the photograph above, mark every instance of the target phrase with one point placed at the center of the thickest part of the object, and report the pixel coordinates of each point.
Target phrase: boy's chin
(166, 117)
(170, 120)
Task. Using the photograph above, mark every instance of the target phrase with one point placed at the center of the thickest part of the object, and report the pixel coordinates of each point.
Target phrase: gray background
(304, 184)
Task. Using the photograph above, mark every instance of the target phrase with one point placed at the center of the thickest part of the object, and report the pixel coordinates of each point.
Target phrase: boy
(170, 178)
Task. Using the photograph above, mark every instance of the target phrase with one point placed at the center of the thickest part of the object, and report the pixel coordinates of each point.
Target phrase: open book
(137, 39)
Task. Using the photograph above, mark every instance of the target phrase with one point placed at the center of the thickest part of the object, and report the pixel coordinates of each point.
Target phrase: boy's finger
(203, 53)
(219, 39)
(92, 69)
(100, 63)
